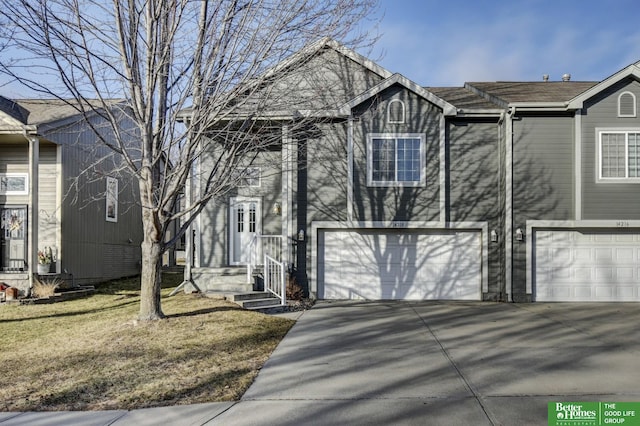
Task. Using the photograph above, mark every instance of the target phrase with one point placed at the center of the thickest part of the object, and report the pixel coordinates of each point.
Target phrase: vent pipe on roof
(566, 77)
(545, 77)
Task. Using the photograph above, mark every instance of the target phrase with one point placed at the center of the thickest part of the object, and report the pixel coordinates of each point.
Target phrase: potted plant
(45, 258)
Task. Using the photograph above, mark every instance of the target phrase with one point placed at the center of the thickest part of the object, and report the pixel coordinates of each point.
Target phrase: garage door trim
(320, 226)
(572, 225)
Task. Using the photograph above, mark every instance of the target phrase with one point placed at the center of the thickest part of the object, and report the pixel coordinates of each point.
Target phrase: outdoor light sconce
(277, 209)
(301, 235)
(519, 235)
(494, 236)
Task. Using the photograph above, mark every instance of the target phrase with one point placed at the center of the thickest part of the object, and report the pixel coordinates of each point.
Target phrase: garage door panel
(410, 265)
(594, 265)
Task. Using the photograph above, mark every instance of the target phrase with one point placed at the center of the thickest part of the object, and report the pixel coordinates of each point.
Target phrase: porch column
(32, 211)
(287, 195)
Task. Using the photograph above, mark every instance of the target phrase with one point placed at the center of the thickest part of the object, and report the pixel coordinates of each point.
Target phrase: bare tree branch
(194, 77)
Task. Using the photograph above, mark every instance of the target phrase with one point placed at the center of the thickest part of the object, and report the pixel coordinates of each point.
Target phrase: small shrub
(294, 290)
(45, 288)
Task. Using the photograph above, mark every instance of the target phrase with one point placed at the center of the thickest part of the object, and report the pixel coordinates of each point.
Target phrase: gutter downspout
(508, 204)
(29, 133)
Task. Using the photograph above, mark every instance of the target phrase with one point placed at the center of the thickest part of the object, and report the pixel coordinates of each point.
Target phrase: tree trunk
(151, 275)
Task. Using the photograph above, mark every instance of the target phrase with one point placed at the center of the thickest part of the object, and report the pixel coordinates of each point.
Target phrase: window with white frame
(619, 155)
(247, 177)
(14, 183)
(396, 160)
(627, 105)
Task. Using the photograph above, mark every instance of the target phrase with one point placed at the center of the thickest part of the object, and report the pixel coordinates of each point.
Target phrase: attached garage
(400, 264)
(586, 265)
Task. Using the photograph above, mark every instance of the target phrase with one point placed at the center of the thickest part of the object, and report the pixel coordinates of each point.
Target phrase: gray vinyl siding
(397, 203)
(607, 200)
(323, 172)
(93, 249)
(214, 220)
(49, 215)
(474, 184)
(320, 191)
(326, 81)
(543, 174)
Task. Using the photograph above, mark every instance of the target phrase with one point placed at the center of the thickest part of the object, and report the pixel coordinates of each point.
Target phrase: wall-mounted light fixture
(277, 209)
(494, 236)
(301, 235)
(519, 234)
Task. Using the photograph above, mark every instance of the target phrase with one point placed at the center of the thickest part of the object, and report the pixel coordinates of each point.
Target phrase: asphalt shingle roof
(533, 92)
(462, 98)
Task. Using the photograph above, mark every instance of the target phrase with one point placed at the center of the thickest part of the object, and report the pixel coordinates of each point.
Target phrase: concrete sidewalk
(379, 363)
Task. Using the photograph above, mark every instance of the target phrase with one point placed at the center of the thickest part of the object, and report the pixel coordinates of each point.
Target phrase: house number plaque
(398, 224)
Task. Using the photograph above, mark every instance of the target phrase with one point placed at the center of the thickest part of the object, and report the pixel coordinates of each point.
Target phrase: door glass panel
(240, 220)
(13, 233)
(252, 217)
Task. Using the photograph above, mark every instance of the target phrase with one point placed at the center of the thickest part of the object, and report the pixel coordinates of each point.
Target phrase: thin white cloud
(507, 42)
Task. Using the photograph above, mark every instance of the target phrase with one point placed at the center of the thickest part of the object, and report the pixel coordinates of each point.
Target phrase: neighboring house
(513, 191)
(60, 190)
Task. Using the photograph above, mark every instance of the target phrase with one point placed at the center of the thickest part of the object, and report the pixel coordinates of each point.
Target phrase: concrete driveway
(422, 363)
(444, 363)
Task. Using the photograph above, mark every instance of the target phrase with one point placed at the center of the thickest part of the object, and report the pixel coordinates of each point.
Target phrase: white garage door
(400, 265)
(586, 266)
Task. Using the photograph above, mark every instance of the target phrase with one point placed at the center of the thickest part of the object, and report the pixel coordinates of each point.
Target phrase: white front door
(245, 222)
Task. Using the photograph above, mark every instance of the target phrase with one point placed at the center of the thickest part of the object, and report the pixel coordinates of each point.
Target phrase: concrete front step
(260, 303)
(230, 279)
(252, 300)
(252, 295)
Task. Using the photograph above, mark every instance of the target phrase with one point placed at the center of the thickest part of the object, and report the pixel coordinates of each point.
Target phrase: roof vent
(545, 77)
(566, 77)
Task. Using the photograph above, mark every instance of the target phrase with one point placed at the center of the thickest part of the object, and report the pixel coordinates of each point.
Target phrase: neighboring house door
(13, 223)
(245, 223)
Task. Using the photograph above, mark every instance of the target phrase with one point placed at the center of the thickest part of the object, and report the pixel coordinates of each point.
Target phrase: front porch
(263, 277)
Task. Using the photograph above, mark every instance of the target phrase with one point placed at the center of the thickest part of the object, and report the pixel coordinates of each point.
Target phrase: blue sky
(446, 43)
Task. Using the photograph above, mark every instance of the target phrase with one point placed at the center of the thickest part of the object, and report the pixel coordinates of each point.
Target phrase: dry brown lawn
(91, 354)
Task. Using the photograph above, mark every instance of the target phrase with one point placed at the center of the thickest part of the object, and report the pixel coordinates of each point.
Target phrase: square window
(619, 156)
(395, 160)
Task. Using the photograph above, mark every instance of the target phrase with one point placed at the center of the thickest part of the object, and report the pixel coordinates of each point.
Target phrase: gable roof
(446, 107)
(632, 70)
(13, 110)
(325, 43)
(34, 115)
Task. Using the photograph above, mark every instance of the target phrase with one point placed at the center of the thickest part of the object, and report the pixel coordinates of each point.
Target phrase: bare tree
(185, 72)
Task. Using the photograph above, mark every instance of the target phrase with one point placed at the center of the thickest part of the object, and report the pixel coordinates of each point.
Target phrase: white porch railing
(275, 279)
(260, 246)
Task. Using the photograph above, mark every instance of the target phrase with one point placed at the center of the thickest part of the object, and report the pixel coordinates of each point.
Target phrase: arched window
(627, 105)
(395, 112)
